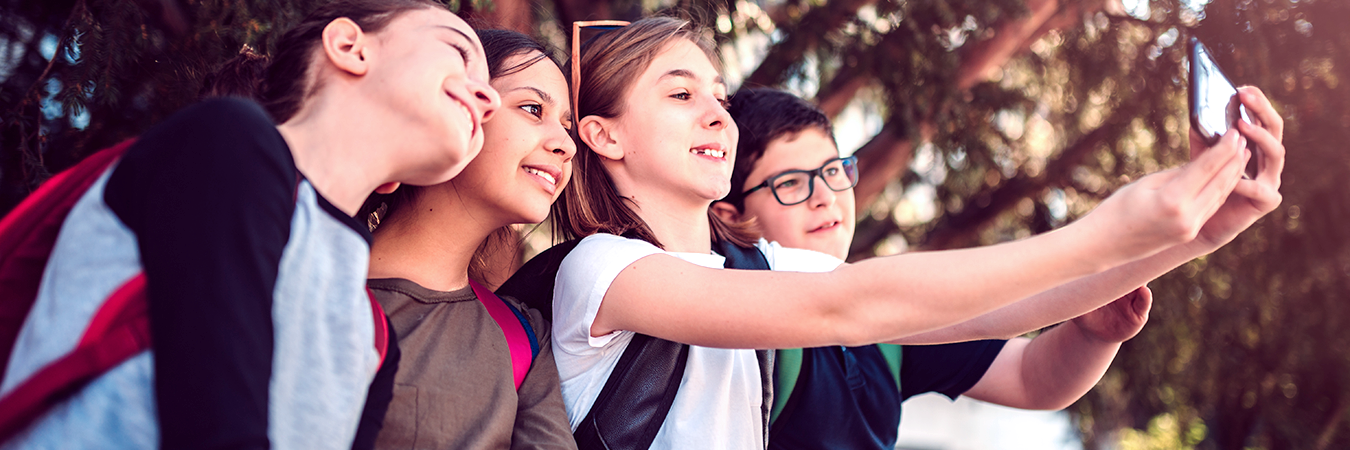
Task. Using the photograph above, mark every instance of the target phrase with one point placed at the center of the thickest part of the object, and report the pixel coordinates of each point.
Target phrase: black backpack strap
(533, 283)
(637, 396)
(750, 258)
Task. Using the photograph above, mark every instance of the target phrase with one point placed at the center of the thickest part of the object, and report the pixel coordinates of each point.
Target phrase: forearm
(1062, 302)
(1048, 372)
(872, 301)
(957, 285)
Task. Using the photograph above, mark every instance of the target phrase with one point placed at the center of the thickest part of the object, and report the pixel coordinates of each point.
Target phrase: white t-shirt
(718, 404)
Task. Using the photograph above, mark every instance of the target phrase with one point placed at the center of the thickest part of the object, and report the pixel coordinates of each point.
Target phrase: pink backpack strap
(381, 326)
(517, 340)
(119, 330)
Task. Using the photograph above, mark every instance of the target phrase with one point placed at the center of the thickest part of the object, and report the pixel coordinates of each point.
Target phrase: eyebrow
(543, 95)
(682, 73)
(463, 34)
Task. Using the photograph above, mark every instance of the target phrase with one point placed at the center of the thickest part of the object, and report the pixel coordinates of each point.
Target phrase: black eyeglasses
(795, 186)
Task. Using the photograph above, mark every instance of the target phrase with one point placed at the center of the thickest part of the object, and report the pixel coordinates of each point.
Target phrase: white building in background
(932, 422)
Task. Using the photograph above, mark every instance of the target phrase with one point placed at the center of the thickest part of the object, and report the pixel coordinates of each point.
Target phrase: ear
(387, 188)
(595, 131)
(345, 45)
(726, 212)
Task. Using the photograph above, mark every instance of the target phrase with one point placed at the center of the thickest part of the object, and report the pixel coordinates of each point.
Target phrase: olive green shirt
(454, 388)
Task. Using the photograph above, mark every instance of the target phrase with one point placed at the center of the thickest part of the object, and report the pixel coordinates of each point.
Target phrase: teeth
(467, 114)
(710, 152)
(543, 174)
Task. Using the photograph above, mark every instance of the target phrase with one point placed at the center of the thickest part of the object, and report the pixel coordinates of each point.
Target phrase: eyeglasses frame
(811, 180)
(576, 55)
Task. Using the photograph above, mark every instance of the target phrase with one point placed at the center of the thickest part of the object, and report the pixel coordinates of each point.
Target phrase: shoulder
(795, 259)
(600, 248)
(225, 133)
(533, 316)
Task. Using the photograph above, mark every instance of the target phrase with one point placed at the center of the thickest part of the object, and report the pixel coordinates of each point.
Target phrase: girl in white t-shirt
(656, 149)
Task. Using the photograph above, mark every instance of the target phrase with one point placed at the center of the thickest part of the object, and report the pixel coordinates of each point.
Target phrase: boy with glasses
(790, 182)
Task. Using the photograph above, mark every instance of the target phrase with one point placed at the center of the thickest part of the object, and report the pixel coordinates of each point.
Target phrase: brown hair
(610, 63)
(763, 116)
(288, 81)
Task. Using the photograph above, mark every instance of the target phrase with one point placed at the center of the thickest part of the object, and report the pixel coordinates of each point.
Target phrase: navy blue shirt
(846, 397)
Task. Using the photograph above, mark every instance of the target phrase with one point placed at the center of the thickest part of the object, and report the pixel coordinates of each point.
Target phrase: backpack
(119, 330)
(638, 394)
(788, 367)
(520, 338)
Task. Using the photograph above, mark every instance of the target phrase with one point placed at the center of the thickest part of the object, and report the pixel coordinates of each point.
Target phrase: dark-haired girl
(455, 387)
(240, 219)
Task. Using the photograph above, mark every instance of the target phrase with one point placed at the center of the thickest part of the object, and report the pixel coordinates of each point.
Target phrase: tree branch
(805, 35)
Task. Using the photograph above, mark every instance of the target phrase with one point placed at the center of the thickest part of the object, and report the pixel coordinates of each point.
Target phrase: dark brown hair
(764, 115)
(610, 63)
(288, 80)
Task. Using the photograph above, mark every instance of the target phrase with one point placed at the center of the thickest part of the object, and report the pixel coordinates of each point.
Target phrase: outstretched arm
(1057, 367)
(892, 297)
(1251, 200)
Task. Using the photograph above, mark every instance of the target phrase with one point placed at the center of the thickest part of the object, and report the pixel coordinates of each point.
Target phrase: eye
(786, 184)
(831, 171)
(725, 101)
(534, 109)
(682, 96)
(463, 52)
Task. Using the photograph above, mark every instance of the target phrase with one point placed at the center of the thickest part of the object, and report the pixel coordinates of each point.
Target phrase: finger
(1260, 108)
(1198, 145)
(1215, 192)
(1270, 158)
(1143, 301)
(1198, 174)
(1261, 196)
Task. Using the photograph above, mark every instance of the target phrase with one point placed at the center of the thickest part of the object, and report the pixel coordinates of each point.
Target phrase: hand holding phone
(1215, 108)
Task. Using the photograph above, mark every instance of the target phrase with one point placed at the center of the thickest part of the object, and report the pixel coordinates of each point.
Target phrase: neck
(681, 226)
(328, 150)
(431, 240)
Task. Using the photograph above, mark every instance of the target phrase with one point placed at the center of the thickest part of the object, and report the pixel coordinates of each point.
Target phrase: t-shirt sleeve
(948, 369)
(784, 259)
(209, 196)
(541, 420)
(583, 279)
(380, 394)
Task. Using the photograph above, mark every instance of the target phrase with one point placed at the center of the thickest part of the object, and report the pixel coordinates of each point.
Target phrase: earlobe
(595, 132)
(726, 212)
(345, 46)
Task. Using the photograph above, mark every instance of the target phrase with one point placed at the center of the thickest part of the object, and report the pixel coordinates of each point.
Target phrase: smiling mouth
(468, 115)
(719, 154)
(827, 226)
(542, 174)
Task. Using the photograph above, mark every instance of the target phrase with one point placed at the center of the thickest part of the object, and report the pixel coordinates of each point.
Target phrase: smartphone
(1215, 108)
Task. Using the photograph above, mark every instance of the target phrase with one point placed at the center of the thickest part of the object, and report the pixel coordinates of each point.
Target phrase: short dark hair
(763, 115)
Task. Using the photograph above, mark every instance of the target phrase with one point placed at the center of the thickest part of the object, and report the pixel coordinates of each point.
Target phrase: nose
(485, 98)
(821, 195)
(718, 117)
(560, 143)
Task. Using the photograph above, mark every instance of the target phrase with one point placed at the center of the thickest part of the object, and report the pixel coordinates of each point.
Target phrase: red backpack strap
(28, 233)
(381, 326)
(119, 330)
(512, 325)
